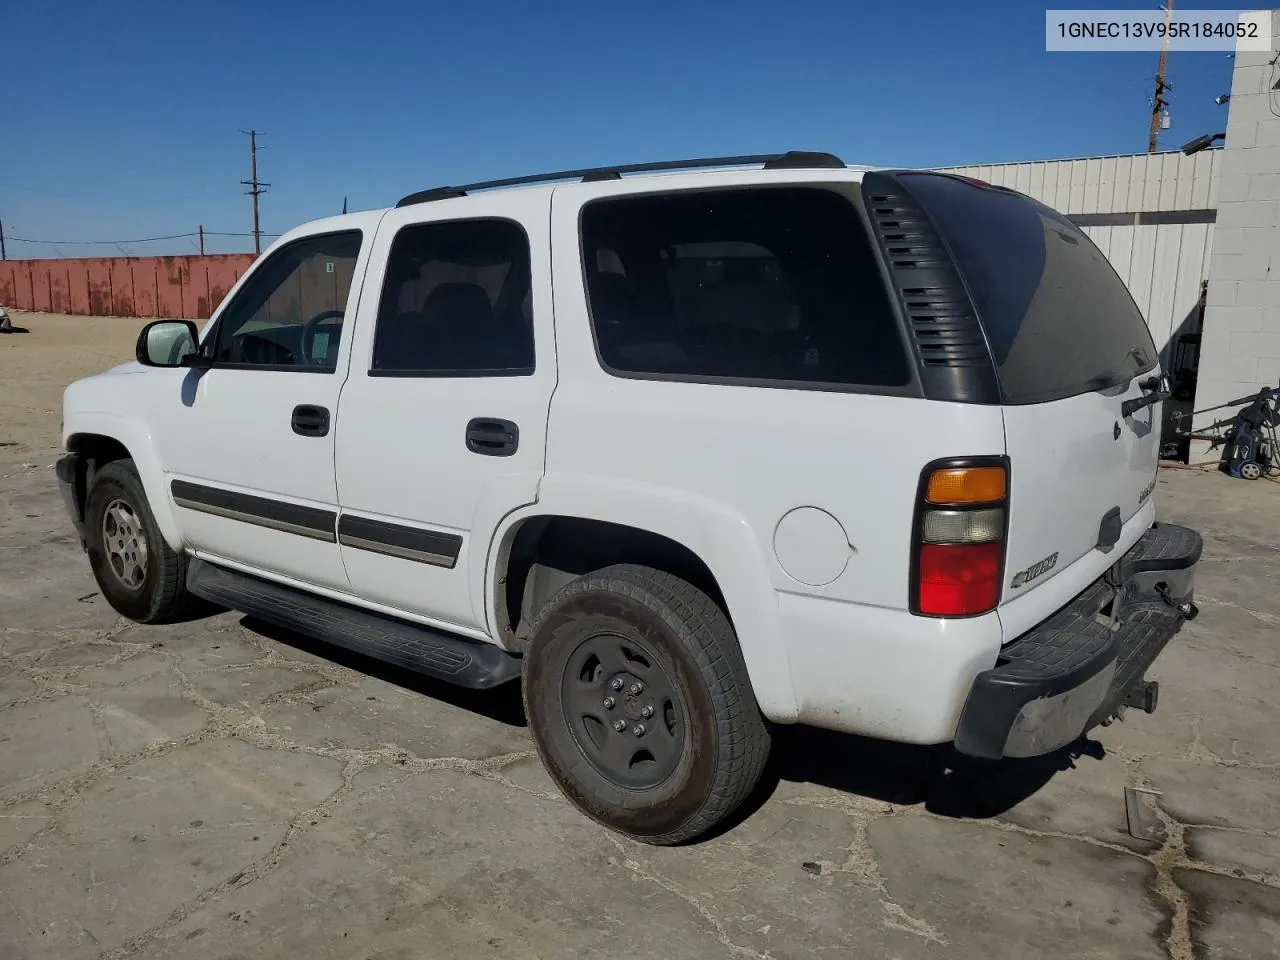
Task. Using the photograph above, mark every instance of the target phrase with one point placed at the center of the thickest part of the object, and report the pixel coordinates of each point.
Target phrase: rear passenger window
(456, 301)
(764, 286)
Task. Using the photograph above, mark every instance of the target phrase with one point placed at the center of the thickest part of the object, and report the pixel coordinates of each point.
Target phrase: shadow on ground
(900, 774)
(502, 704)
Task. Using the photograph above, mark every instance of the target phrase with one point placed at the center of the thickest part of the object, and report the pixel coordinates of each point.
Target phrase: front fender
(719, 536)
(136, 437)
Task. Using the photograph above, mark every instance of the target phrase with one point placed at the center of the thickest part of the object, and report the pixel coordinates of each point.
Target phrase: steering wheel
(309, 334)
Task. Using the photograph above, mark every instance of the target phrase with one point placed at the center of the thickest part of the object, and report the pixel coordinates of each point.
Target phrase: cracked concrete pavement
(221, 789)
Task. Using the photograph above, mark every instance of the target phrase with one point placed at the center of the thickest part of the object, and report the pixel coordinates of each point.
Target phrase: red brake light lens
(959, 580)
(959, 543)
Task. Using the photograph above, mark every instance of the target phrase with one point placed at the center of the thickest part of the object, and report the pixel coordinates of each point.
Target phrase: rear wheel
(640, 705)
(137, 572)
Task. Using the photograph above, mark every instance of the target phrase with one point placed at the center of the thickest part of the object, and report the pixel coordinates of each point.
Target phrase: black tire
(723, 741)
(161, 595)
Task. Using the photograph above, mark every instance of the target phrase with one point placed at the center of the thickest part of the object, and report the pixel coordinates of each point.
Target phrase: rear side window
(456, 302)
(764, 286)
(1059, 319)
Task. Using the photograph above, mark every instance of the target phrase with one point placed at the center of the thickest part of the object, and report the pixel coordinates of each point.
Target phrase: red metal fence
(187, 287)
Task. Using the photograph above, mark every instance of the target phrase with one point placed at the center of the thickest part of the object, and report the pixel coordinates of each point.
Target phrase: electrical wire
(173, 236)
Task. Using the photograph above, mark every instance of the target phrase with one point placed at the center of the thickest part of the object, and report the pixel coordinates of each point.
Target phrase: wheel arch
(699, 542)
(100, 439)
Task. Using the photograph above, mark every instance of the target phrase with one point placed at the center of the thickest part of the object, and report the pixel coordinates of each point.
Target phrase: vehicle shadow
(901, 774)
(935, 777)
(502, 704)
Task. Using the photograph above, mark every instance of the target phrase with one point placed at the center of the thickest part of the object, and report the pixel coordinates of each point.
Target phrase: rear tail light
(960, 529)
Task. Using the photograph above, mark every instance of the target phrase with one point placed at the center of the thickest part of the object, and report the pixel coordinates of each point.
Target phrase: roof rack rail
(791, 160)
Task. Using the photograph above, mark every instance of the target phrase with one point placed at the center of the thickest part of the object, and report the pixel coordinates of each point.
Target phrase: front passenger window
(289, 313)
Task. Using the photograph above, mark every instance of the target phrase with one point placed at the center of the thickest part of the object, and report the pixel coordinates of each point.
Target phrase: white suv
(738, 442)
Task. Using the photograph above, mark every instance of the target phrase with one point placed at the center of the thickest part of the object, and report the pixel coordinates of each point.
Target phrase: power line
(112, 243)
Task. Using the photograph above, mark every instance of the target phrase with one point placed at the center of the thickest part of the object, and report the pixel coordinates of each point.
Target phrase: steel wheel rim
(611, 681)
(124, 543)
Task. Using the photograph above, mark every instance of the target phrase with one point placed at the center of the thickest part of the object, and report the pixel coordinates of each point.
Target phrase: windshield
(1059, 319)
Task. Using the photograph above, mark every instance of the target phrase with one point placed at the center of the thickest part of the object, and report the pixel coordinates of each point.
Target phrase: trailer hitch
(1186, 609)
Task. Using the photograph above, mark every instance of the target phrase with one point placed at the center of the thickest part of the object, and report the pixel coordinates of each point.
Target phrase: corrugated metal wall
(1163, 267)
(1122, 184)
(1162, 264)
(188, 287)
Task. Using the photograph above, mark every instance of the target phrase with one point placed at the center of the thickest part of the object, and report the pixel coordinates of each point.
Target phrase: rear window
(761, 286)
(1059, 319)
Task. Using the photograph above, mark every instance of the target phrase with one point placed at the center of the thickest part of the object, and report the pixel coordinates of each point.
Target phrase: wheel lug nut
(637, 688)
(619, 725)
(647, 712)
(617, 683)
(609, 702)
(638, 729)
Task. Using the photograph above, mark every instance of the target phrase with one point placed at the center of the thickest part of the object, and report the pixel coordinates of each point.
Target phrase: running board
(409, 645)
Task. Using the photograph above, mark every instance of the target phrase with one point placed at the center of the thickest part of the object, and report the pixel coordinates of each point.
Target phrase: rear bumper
(68, 469)
(1075, 670)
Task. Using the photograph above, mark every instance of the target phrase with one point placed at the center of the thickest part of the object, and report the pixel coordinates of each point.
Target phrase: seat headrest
(458, 299)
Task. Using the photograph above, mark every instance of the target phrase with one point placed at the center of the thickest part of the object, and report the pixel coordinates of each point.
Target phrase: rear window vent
(944, 326)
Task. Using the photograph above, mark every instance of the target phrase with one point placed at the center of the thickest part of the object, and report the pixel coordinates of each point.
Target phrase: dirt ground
(223, 790)
(36, 364)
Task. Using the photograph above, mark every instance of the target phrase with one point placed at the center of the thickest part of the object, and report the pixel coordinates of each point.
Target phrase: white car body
(800, 502)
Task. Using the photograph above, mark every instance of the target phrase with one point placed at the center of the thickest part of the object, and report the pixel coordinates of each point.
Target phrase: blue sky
(121, 120)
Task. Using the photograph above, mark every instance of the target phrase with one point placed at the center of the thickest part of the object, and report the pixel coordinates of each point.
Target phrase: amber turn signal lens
(956, 485)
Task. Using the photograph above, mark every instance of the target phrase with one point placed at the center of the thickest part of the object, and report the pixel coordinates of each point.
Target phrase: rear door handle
(492, 438)
(310, 421)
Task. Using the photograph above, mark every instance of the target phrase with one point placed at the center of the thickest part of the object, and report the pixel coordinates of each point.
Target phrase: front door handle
(310, 421)
(492, 438)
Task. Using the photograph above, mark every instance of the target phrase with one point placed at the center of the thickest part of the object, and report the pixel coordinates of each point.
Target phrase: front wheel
(137, 572)
(640, 704)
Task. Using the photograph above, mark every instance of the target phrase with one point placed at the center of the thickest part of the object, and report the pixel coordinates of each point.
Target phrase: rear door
(442, 421)
(1070, 348)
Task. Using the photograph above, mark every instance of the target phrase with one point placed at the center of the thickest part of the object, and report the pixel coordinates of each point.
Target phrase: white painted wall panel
(1164, 279)
(1162, 265)
(1121, 254)
(1119, 184)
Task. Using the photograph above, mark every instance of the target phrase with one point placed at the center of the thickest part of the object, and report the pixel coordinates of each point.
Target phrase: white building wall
(1141, 183)
(1242, 318)
(1164, 264)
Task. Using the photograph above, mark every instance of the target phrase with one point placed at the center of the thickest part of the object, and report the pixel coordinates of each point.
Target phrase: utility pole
(3, 255)
(202, 239)
(1158, 101)
(255, 188)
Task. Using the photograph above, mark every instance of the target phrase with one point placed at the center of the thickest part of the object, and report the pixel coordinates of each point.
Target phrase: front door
(248, 442)
(443, 416)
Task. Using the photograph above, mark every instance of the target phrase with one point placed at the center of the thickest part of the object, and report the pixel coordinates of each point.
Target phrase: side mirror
(167, 343)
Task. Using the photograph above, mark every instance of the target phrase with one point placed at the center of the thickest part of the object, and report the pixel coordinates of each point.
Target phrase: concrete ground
(220, 789)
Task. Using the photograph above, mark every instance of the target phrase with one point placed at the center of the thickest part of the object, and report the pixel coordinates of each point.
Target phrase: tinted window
(456, 301)
(1059, 319)
(774, 285)
(289, 312)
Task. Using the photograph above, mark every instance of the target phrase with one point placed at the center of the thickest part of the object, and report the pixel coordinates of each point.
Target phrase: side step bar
(409, 645)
